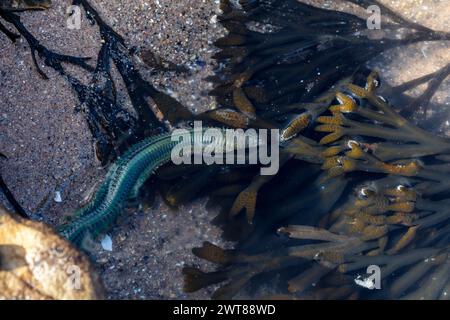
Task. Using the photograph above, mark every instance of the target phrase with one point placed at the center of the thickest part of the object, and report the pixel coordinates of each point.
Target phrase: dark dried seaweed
(112, 126)
(10, 197)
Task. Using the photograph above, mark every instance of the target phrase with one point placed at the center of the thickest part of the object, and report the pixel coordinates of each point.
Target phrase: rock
(36, 263)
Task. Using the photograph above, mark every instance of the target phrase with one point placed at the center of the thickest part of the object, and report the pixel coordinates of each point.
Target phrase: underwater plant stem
(413, 275)
(391, 263)
(419, 135)
(434, 284)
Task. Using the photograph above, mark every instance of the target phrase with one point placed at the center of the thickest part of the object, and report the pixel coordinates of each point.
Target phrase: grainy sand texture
(50, 149)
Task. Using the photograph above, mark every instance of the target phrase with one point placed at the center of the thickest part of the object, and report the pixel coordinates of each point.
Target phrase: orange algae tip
(296, 126)
(347, 104)
(245, 200)
(360, 92)
(331, 162)
(356, 225)
(374, 232)
(335, 109)
(242, 103)
(349, 165)
(335, 172)
(367, 191)
(336, 120)
(373, 81)
(343, 267)
(371, 219)
(212, 253)
(407, 206)
(401, 192)
(172, 200)
(327, 128)
(332, 137)
(231, 118)
(333, 257)
(242, 78)
(405, 240)
(410, 169)
(331, 151)
(401, 218)
(356, 152)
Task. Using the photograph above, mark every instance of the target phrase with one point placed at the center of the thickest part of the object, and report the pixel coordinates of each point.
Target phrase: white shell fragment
(58, 197)
(365, 282)
(107, 243)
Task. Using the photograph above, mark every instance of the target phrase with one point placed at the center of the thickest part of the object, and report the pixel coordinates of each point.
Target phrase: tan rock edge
(36, 263)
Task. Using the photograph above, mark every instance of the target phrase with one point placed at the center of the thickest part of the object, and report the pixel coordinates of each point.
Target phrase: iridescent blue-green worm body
(126, 176)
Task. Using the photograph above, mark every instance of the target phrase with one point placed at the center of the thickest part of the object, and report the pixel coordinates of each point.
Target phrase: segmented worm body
(127, 175)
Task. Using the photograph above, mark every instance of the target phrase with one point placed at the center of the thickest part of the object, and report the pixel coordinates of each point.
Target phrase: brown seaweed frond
(285, 62)
(296, 51)
(299, 68)
(397, 219)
